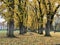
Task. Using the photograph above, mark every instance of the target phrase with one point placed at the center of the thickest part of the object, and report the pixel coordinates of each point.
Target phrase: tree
(23, 16)
(11, 21)
(8, 14)
(50, 14)
(40, 29)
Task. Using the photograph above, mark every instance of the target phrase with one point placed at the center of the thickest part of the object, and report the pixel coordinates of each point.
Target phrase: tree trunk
(40, 30)
(22, 28)
(51, 27)
(10, 30)
(47, 30)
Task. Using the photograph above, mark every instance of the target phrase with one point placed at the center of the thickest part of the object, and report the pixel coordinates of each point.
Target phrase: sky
(2, 19)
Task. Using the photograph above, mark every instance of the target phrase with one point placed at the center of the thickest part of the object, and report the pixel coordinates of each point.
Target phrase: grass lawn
(30, 38)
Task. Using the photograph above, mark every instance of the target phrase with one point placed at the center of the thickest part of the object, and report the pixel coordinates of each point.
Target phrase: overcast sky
(1, 19)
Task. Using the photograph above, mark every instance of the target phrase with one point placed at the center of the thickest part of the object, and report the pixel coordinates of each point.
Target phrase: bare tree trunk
(22, 28)
(40, 30)
(51, 26)
(10, 31)
(47, 30)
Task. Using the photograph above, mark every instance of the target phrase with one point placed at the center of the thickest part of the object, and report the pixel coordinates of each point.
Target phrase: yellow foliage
(29, 10)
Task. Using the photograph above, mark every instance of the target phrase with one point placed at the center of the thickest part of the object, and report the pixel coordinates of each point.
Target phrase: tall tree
(40, 29)
(50, 14)
(10, 30)
(8, 14)
(23, 13)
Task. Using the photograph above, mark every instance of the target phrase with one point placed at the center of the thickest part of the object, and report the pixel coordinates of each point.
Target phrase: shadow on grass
(8, 37)
(57, 44)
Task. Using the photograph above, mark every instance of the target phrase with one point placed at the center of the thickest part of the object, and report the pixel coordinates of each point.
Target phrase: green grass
(29, 38)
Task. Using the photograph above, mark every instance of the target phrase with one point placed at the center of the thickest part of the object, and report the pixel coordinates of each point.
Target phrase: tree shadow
(7, 37)
(57, 44)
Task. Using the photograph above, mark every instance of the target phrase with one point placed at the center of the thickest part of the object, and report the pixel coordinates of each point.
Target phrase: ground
(30, 38)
